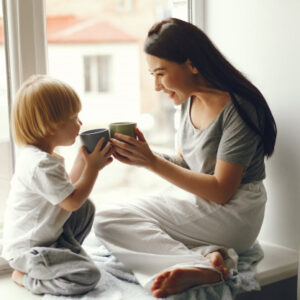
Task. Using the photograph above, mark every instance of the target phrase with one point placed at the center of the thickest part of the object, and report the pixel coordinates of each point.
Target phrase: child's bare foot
(177, 280)
(217, 261)
(18, 277)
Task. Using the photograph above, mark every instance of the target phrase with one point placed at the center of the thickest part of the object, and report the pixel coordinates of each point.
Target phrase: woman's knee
(110, 221)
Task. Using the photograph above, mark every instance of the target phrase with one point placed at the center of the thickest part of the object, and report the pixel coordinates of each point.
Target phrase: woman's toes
(159, 293)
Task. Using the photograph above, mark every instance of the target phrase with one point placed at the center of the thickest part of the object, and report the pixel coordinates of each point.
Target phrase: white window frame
(25, 43)
(99, 73)
(25, 48)
(196, 13)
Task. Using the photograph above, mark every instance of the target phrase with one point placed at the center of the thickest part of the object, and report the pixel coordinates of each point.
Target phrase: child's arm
(94, 162)
(78, 165)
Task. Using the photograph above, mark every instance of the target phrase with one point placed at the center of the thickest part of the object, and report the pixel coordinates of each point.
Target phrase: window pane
(5, 151)
(97, 47)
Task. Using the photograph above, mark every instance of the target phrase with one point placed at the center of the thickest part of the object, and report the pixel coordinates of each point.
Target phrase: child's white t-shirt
(33, 216)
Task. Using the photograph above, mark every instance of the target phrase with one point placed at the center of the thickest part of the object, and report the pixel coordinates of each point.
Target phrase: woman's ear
(192, 68)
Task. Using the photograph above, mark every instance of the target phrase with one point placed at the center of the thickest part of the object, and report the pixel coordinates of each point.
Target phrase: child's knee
(95, 275)
(89, 207)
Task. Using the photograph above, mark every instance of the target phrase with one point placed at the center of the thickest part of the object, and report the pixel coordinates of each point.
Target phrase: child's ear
(51, 131)
(192, 68)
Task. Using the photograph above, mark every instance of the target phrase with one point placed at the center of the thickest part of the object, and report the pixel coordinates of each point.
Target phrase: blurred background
(97, 47)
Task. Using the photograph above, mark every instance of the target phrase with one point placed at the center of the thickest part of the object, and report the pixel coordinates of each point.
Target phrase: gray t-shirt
(227, 138)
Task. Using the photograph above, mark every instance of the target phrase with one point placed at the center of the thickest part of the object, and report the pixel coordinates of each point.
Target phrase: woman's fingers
(122, 159)
(140, 135)
(124, 146)
(124, 152)
(125, 138)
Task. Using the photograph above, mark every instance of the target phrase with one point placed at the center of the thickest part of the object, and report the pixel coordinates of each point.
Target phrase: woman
(185, 236)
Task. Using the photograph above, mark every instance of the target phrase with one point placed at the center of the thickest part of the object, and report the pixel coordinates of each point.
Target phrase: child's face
(66, 134)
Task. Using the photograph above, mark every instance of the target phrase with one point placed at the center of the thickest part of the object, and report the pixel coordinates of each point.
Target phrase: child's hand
(98, 159)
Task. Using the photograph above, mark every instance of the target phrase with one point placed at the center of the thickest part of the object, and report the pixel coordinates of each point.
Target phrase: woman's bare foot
(217, 261)
(18, 277)
(177, 280)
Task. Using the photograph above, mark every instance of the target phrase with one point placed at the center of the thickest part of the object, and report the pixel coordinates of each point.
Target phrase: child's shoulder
(30, 158)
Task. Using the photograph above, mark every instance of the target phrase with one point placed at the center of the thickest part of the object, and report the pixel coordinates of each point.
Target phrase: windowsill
(10, 290)
(279, 263)
(4, 266)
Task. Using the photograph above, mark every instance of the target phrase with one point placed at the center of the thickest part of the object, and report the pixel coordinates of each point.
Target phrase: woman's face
(176, 80)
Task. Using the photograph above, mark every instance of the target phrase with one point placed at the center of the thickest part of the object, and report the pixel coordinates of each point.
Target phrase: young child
(48, 213)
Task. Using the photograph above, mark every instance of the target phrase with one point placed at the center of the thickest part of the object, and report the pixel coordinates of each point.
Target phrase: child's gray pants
(62, 268)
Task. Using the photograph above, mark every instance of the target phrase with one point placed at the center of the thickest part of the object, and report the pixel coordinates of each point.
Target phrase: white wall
(262, 39)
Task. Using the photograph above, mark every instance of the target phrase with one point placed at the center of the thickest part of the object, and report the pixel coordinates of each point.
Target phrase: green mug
(126, 128)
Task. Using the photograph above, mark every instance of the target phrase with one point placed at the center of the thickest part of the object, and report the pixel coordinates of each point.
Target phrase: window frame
(102, 63)
(26, 45)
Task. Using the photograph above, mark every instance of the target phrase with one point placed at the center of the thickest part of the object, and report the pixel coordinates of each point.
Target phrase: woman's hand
(132, 151)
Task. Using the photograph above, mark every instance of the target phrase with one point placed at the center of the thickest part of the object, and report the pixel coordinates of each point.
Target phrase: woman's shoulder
(239, 105)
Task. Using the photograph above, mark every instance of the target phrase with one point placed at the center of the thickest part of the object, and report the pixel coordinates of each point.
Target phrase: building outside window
(113, 81)
(97, 73)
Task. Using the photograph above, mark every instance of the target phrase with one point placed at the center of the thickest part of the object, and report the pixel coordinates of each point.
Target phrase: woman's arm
(175, 159)
(218, 187)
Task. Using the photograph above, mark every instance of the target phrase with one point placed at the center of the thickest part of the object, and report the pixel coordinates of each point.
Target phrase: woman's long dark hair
(176, 40)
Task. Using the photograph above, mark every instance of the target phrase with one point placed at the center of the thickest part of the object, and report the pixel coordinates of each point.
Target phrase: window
(101, 55)
(123, 6)
(97, 73)
(5, 143)
(120, 52)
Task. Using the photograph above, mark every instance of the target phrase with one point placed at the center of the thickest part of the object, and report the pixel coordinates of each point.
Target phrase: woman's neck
(209, 97)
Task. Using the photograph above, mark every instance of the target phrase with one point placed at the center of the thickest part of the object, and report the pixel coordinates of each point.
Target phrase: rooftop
(72, 29)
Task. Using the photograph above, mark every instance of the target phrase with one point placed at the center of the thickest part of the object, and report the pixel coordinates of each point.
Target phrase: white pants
(177, 229)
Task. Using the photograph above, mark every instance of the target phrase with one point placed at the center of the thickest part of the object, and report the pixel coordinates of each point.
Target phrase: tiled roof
(72, 29)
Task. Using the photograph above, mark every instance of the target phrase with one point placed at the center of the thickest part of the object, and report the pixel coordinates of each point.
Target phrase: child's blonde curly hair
(41, 105)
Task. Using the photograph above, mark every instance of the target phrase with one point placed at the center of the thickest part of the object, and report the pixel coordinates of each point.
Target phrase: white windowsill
(278, 264)
(4, 266)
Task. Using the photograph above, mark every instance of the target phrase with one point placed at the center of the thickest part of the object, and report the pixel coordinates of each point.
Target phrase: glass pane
(97, 47)
(5, 151)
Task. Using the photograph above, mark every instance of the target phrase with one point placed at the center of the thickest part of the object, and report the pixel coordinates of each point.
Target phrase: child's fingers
(99, 145)
(109, 160)
(110, 151)
(107, 148)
